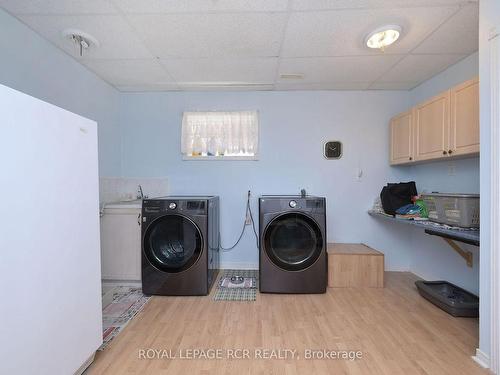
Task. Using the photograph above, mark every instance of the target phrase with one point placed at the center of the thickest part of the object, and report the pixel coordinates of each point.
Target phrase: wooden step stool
(354, 265)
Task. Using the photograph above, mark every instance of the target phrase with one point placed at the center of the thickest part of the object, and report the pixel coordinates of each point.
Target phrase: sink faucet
(140, 194)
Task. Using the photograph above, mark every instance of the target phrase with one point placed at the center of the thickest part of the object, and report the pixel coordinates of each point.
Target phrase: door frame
(493, 360)
(494, 42)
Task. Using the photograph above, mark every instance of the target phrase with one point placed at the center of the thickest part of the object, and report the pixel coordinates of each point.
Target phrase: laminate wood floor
(397, 331)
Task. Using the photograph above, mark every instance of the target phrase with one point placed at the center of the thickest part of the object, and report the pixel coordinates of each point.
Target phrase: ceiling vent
(292, 76)
(229, 85)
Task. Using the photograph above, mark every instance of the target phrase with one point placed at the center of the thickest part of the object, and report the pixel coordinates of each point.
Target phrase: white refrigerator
(50, 275)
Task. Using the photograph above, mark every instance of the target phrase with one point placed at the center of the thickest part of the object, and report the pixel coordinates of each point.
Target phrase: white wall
(32, 65)
(293, 126)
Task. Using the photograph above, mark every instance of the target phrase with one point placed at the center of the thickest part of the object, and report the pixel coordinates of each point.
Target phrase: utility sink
(136, 203)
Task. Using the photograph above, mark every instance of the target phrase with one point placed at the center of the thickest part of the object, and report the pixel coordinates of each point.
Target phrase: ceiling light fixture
(383, 36)
(81, 39)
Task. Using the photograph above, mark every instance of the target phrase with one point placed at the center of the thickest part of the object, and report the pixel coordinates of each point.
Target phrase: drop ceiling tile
(353, 4)
(418, 68)
(130, 72)
(285, 86)
(392, 85)
(255, 70)
(211, 35)
(341, 33)
(162, 6)
(117, 39)
(58, 6)
(338, 69)
(460, 34)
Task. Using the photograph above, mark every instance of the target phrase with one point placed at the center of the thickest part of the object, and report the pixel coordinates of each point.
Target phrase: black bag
(394, 196)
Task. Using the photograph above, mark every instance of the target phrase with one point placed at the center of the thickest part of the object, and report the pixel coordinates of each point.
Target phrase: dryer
(180, 245)
(292, 255)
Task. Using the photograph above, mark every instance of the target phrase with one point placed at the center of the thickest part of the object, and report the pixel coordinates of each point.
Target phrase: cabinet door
(432, 126)
(401, 138)
(121, 244)
(464, 129)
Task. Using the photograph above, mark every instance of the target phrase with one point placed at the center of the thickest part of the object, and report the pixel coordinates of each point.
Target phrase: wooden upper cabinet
(432, 126)
(464, 129)
(401, 138)
(444, 126)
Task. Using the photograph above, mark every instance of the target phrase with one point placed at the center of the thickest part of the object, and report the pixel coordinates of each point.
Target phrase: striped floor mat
(237, 294)
(126, 303)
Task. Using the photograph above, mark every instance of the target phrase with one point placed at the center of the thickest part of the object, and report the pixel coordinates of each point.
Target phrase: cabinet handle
(139, 219)
(450, 151)
(444, 152)
(410, 158)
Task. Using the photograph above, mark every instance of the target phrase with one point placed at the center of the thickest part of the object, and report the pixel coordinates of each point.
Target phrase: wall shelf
(450, 235)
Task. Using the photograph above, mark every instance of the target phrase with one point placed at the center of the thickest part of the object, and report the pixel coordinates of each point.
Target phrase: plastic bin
(450, 298)
(461, 210)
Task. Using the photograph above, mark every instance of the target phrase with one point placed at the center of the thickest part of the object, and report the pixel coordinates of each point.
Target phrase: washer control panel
(159, 206)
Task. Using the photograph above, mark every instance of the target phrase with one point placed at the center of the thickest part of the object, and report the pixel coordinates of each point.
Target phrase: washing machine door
(173, 243)
(293, 241)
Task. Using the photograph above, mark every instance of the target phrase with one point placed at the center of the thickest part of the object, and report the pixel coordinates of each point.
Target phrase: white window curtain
(220, 134)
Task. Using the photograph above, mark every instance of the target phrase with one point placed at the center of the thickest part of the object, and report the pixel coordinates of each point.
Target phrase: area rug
(228, 291)
(127, 302)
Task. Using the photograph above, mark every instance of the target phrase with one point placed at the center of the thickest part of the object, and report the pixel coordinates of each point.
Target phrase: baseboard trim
(85, 365)
(239, 266)
(481, 358)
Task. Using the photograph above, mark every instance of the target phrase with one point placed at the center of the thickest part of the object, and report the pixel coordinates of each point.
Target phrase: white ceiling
(248, 44)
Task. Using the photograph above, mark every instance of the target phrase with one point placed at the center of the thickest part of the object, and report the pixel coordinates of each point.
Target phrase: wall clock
(332, 150)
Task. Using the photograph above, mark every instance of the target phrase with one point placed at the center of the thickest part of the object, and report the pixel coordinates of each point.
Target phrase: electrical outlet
(451, 169)
(359, 174)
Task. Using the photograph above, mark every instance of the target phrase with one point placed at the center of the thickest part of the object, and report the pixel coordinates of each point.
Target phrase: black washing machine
(292, 256)
(180, 245)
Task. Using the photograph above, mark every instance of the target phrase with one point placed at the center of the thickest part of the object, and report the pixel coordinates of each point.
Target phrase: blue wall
(455, 74)
(293, 127)
(430, 257)
(32, 65)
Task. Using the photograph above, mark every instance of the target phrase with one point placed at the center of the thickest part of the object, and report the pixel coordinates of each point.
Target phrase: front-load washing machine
(292, 256)
(180, 245)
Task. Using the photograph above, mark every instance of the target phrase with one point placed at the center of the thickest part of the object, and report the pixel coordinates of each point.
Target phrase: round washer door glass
(293, 241)
(173, 243)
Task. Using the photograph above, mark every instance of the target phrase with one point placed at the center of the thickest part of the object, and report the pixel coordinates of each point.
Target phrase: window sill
(220, 158)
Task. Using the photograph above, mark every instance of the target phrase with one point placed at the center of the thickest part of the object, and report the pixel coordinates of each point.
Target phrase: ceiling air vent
(292, 76)
(229, 85)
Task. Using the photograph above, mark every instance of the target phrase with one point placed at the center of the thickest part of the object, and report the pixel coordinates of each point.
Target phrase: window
(220, 135)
